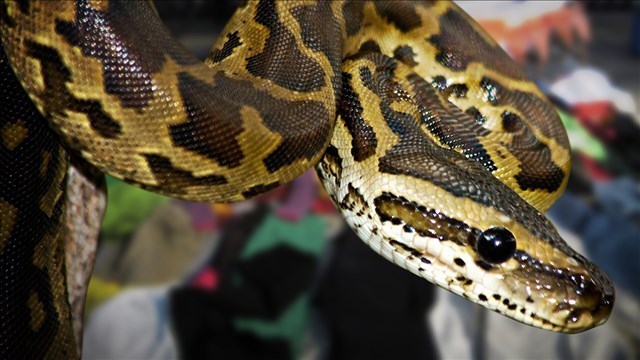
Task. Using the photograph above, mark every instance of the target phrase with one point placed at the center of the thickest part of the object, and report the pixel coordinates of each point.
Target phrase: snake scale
(434, 145)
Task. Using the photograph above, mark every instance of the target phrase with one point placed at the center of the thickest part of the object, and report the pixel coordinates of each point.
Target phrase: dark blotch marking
(523, 310)
(459, 90)
(538, 171)
(402, 15)
(425, 260)
(100, 121)
(389, 90)
(364, 139)
(332, 163)
(353, 10)
(529, 299)
(512, 307)
(293, 69)
(4, 15)
(130, 50)
(497, 297)
(439, 83)
(259, 189)
(505, 302)
(366, 76)
(24, 5)
(511, 122)
(320, 32)
(405, 54)
(176, 180)
(459, 262)
(208, 133)
(353, 201)
(56, 75)
(233, 41)
(482, 297)
(460, 44)
(476, 115)
(367, 47)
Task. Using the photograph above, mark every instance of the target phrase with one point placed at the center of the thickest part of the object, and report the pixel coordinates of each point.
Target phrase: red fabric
(594, 169)
(596, 116)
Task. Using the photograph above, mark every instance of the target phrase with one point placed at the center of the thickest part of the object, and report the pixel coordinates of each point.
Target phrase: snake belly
(434, 145)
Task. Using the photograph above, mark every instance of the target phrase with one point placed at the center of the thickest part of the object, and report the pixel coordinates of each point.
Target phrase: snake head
(471, 234)
(518, 266)
(540, 281)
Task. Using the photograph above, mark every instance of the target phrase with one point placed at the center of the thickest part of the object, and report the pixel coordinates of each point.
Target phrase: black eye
(496, 245)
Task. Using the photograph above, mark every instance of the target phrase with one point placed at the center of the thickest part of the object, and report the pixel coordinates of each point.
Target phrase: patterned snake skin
(431, 141)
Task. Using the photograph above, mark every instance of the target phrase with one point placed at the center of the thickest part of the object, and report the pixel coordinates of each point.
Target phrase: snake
(434, 145)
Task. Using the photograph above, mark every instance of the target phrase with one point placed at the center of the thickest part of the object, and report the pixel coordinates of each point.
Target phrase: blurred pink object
(206, 279)
(202, 217)
(596, 172)
(520, 26)
(300, 198)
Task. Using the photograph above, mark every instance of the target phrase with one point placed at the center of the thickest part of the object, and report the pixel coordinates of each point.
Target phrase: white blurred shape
(586, 85)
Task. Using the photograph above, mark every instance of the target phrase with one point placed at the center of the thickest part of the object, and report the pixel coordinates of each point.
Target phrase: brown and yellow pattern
(425, 134)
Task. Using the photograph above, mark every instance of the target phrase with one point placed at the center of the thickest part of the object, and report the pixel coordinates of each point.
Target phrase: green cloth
(580, 138)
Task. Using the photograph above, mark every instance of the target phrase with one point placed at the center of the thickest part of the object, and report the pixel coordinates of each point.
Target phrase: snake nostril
(603, 308)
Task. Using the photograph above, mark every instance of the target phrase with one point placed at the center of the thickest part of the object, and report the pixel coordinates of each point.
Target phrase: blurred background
(282, 277)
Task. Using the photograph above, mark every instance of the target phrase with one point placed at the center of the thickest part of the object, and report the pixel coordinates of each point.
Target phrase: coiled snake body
(433, 144)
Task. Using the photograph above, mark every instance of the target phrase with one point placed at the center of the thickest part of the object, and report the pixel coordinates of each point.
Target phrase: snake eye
(496, 245)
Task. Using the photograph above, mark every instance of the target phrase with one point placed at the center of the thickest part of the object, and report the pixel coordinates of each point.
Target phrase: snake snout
(596, 300)
(589, 300)
(601, 312)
